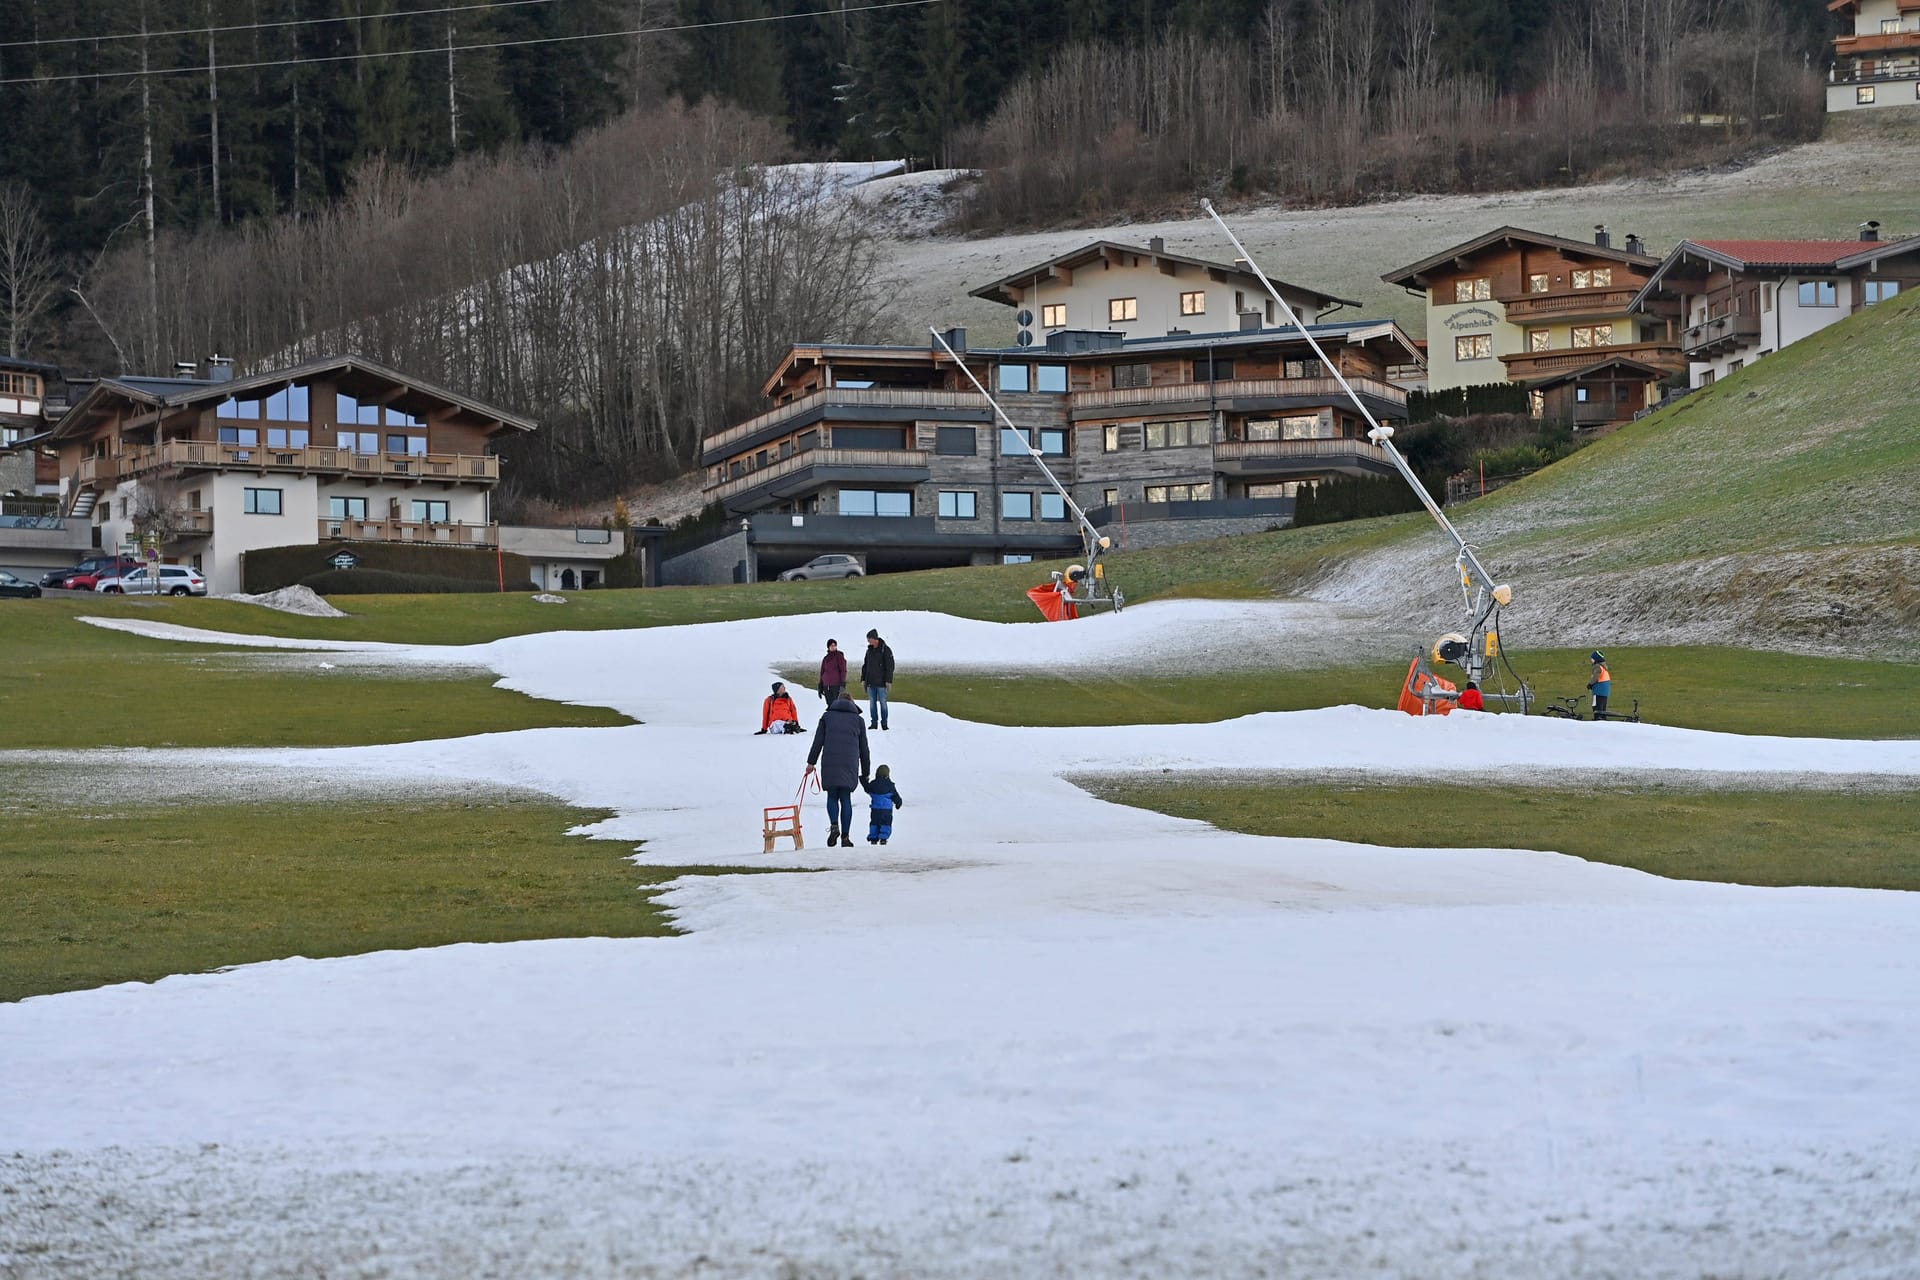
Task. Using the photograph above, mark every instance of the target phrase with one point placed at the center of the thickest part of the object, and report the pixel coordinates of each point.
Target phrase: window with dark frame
(1193, 302)
(956, 442)
(1053, 507)
(959, 504)
(1130, 376)
(431, 511)
(262, 502)
(1016, 506)
(1053, 315)
(1120, 309)
(1214, 370)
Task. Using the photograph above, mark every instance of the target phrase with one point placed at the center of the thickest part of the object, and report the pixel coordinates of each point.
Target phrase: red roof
(1788, 253)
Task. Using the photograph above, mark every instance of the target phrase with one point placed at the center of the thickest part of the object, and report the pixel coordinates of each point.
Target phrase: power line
(264, 26)
(467, 48)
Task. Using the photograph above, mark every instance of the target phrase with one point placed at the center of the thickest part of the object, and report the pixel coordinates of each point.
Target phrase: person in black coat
(876, 672)
(840, 749)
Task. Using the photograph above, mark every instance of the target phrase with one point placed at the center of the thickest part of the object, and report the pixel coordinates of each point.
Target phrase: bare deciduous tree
(29, 272)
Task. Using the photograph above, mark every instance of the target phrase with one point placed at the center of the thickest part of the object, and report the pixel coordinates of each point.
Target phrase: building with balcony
(1744, 299)
(1542, 310)
(1878, 63)
(890, 452)
(337, 449)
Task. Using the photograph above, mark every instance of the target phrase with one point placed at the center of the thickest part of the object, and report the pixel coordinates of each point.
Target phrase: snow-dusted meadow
(1037, 1034)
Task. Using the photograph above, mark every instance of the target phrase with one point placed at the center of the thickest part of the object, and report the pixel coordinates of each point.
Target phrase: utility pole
(213, 110)
(146, 185)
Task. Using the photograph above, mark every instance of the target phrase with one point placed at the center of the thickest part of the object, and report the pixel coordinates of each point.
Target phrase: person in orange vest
(1601, 684)
(1470, 699)
(777, 713)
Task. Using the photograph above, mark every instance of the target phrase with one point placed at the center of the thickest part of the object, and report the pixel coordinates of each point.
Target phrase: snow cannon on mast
(1062, 597)
(1477, 651)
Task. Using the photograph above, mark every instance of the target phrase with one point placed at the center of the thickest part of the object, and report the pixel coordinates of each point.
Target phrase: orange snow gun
(1424, 693)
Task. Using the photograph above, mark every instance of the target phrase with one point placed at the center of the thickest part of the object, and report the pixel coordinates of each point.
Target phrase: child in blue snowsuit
(886, 798)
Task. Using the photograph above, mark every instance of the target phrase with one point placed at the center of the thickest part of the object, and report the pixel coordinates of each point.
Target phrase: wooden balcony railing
(196, 524)
(1878, 42)
(1532, 364)
(1255, 450)
(450, 534)
(1238, 389)
(1728, 331)
(905, 459)
(1569, 302)
(447, 468)
(905, 399)
(98, 471)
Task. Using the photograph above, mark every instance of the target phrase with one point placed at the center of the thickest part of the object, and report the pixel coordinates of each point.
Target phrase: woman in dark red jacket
(833, 673)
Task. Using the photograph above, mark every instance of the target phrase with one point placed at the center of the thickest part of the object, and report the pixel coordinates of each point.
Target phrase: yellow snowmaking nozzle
(1503, 595)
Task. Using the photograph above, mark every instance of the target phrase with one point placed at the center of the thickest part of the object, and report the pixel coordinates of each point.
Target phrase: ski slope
(1038, 1034)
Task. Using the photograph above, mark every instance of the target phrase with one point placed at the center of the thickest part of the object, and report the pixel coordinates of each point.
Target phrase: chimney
(1870, 230)
(1157, 244)
(1600, 236)
(1635, 244)
(185, 369)
(955, 338)
(219, 368)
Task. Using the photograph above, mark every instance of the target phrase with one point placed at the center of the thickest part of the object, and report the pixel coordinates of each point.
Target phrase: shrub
(269, 568)
(384, 582)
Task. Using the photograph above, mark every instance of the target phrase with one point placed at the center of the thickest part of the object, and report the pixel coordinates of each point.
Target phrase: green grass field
(72, 685)
(133, 893)
(1859, 838)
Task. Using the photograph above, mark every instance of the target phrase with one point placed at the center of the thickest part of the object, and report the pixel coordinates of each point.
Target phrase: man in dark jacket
(876, 672)
(840, 749)
(833, 673)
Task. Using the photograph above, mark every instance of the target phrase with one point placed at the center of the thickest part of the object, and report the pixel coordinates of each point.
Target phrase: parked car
(12, 586)
(96, 565)
(173, 580)
(830, 566)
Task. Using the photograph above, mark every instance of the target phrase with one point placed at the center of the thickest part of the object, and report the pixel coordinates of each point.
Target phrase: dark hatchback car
(12, 586)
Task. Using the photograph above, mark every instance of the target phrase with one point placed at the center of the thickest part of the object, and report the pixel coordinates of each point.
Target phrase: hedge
(1463, 402)
(270, 568)
(383, 582)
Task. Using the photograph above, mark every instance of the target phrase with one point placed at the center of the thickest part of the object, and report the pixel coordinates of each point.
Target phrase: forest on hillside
(272, 176)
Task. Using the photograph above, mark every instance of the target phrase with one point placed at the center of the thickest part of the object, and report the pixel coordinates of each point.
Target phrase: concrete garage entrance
(781, 541)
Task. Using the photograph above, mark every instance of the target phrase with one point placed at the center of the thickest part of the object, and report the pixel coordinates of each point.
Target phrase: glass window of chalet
(1819, 293)
(431, 511)
(244, 437)
(1016, 506)
(1539, 340)
(1539, 282)
(1013, 377)
(856, 502)
(1177, 435)
(1110, 438)
(893, 504)
(288, 437)
(1215, 369)
(1013, 443)
(1473, 346)
(1053, 507)
(1054, 315)
(368, 442)
(1537, 403)
(1014, 557)
(1120, 309)
(1297, 427)
(961, 504)
(1053, 443)
(347, 508)
(1127, 376)
(1193, 302)
(956, 442)
(262, 502)
(1881, 290)
(1476, 290)
(231, 408)
(882, 438)
(348, 410)
(1050, 377)
(1179, 492)
(1593, 335)
(1594, 278)
(1304, 369)
(1863, 96)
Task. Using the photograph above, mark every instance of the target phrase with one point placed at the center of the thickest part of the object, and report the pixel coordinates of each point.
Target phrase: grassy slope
(93, 898)
(1812, 447)
(1744, 837)
(72, 685)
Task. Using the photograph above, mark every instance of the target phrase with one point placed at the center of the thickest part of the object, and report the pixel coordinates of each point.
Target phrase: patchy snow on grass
(294, 599)
(1037, 1034)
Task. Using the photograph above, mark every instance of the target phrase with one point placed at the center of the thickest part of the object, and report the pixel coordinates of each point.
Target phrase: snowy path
(1044, 1035)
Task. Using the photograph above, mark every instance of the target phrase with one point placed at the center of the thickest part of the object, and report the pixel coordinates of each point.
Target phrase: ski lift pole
(1096, 542)
(1380, 435)
(1482, 596)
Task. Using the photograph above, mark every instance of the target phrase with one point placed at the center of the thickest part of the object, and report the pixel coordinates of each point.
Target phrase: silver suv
(833, 566)
(175, 580)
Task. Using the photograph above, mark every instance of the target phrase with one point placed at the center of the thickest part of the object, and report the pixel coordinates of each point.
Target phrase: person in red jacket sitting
(1470, 699)
(777, 713)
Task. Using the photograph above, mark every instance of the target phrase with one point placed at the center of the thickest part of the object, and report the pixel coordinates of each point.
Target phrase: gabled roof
(20, 364)
(1773, 257)
(1410, 276)
(1636, 367)
(1105, 250)
(184, 393)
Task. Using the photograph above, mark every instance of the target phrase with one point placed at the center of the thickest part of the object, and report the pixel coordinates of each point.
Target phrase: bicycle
(1564, 708)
